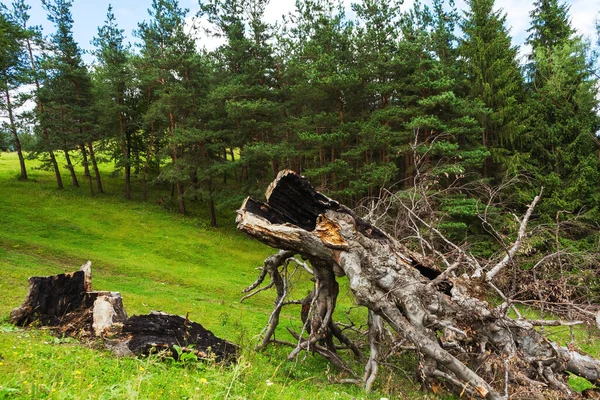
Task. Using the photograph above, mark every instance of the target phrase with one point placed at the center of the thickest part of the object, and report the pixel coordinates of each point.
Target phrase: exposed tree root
(461, 340)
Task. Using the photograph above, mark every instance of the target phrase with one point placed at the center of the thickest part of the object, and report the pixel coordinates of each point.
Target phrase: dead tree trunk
(67, 304)
(461, 340)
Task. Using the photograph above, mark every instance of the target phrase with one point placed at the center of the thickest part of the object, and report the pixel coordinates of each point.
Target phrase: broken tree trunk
(67, 304)
(461, 340)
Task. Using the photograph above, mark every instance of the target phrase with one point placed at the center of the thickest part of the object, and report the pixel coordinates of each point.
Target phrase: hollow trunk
(462, 342)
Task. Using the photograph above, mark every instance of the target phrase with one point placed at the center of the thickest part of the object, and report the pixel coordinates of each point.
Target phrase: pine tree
(380, 66)
(440, 119)
(67, 93)
(13, 75)
(167, 61)
(33, 37)
(321, 83)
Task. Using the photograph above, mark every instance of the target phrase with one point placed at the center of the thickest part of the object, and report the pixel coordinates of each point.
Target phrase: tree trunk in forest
(71, 168)
(86, 168)
(95, 166)
(13, 129)
(126, 156)
(45, 136)
(462, 342)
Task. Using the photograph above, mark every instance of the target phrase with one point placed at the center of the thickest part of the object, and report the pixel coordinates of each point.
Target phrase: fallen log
(67, 304)
(461, 340)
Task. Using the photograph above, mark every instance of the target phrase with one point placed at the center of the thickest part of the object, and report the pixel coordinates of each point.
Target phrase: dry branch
(460, 339)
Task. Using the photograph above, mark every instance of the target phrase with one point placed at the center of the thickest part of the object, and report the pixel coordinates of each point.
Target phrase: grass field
(158, 261)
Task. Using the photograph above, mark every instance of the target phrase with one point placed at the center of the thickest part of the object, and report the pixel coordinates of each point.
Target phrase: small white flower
(269, 383)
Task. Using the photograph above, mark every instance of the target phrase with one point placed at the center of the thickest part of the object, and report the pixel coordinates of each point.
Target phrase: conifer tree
(13, 74)
(67, 93)
(32, 38)
(321, 81)
(167, 58)
(114, 79)
(562, 112)
(381, 67)
(493, 75)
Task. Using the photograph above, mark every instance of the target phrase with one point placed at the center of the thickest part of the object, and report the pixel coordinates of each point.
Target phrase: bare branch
(517, 245)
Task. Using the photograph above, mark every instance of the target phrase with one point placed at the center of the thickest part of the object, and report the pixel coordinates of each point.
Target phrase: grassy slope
(158, 261)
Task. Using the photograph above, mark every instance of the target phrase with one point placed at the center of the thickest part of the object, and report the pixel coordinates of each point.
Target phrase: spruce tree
(562, 112)
(493, 75)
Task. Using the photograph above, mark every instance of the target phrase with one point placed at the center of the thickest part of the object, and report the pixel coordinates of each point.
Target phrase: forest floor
(158, 261)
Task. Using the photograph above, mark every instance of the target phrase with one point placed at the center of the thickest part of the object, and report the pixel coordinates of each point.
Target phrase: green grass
(158, 261)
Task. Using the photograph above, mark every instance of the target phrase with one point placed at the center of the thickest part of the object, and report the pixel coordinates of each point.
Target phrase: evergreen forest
(365, 108)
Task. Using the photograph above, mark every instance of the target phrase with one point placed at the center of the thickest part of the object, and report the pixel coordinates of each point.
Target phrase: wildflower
(24, 382)
(1, 363)
(142, 369)
(269, 383)
(77, 372)
(203, 380)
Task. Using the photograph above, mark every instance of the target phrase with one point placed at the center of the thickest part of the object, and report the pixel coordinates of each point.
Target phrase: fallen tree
(461, 341)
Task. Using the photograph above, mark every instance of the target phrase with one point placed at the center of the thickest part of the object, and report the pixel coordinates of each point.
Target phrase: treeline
(355, 105)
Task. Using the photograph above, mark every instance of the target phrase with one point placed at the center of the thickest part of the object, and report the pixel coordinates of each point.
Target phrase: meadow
(158, 261)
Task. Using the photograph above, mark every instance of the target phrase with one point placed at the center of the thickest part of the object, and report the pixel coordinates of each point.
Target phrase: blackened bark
(67, 304)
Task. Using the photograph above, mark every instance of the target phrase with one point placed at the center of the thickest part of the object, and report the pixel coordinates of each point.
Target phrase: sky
(89, 14)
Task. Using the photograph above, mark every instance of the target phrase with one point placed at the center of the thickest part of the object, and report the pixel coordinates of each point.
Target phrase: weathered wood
(66, 304)
(145, 334)
(51, 298)
(462, 341)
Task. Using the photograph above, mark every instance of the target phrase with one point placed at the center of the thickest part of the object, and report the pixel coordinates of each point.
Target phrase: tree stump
(66, 303)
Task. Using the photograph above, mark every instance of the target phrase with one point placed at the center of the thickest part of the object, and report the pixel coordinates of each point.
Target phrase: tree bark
(95, 166)
(126, 156)
(86, 168)
(45, 136)
(71, 168)
(13, 129)
(461, 340)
